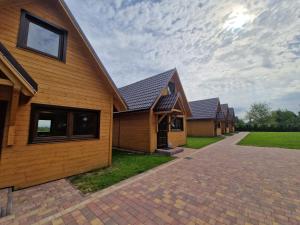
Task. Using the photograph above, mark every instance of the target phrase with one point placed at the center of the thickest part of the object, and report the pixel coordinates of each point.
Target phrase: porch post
(13, 115)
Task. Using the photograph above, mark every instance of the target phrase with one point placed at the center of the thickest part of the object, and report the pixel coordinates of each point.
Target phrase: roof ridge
(205, 99)
(166, 72)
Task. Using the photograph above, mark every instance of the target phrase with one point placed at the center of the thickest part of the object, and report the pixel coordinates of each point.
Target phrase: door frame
(164, 132)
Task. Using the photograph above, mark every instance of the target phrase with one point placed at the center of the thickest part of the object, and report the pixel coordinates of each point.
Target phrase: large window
(49, 123)
(177, 124)
(42, 37)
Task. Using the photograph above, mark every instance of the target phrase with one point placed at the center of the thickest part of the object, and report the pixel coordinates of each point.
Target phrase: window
(219, 124)
(40, 36)
(171, 88)
(177, 124)
(50, 123)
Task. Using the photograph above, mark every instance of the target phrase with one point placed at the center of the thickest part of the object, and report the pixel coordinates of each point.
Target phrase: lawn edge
(222, 139)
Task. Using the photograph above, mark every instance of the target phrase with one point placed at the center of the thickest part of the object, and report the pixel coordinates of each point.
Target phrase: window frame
(34, 139)
(173, 87)
(26, 18)
(178, 129)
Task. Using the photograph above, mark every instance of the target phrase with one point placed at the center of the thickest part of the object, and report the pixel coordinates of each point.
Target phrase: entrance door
(162, 134)
(3, 108)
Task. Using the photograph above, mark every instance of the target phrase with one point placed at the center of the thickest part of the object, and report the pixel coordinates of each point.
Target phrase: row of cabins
(61, 113)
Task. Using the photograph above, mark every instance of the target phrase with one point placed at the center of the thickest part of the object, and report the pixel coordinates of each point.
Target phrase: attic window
(171, 88)
(42, 37)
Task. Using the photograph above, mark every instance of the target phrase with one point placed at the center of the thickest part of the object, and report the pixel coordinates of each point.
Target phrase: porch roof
(21, 71)
(166, 103)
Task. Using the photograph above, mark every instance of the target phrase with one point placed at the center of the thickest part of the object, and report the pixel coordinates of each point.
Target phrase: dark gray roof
(224, 108)
(166, 103)
(204, 109)
(220, 116)
(18, 67)
(142, 94)
(231, 113)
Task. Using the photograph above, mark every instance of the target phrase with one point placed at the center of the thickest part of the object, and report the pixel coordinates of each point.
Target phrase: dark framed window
(40, 36)
(177, 124)
(171, 88)
(54, 123)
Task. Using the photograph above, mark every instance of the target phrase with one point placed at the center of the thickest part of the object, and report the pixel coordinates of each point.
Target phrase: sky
(242, 51)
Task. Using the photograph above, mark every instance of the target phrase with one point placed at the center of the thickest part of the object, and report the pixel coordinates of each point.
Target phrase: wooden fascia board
(15, 77)
(94, 55)
(184, 98)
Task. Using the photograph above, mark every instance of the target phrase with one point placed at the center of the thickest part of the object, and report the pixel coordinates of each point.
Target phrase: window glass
(177, 124)
(43, 40)
(49, 123)
(171, 88)
(52, 123)
(85, 123)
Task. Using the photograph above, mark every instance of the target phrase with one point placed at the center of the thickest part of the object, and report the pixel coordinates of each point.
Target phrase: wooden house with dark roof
(231, 120)
(156, 115)
(225, 125)
(56, 98)
(207, 118)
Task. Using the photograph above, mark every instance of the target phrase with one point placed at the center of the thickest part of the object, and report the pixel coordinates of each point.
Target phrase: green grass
(124, 165)
(200, 142)
(273, 139)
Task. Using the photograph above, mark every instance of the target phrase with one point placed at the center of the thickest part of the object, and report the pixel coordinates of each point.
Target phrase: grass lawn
(200, 142)
(124, 165)
(273, 139)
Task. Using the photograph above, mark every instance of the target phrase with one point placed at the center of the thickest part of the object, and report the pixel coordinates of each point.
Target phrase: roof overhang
(15, 74)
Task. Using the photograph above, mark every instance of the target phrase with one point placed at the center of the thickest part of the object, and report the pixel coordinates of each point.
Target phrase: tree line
(260, 117)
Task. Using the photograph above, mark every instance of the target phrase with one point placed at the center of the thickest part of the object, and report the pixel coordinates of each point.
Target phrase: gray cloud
(241, 50)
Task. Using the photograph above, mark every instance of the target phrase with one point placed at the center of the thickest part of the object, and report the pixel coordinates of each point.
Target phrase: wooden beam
(12, 116)
(6, 82)
(161, 118)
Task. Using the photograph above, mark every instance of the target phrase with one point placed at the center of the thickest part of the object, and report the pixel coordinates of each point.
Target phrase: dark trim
(18, 67)
(27, 17)
(33, 139)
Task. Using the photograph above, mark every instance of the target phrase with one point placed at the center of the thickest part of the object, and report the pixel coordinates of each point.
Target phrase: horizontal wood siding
(153, 132)
(77, 83)
(204, 128)
(133, 131)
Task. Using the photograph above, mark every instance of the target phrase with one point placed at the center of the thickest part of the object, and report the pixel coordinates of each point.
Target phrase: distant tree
(285, 119)
(259, 115)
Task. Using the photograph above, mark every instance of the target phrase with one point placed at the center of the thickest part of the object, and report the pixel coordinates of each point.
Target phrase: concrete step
(169, 152)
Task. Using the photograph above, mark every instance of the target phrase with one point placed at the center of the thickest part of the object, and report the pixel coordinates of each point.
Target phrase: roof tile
(142, 94)
(204, 109)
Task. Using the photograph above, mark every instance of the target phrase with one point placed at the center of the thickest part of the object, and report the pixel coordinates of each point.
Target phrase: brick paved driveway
(221, 184)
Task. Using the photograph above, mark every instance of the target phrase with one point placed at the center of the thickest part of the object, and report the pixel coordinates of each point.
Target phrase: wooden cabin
(225, 125)
(56, 98)
(156, 115)
(231, 120)
(207, 118)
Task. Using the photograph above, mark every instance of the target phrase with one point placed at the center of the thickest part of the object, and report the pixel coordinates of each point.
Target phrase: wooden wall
(178, 138)
(204, 128)
(76, 83)
(133, 131)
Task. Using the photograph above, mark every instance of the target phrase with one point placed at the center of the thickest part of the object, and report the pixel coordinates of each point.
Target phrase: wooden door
(162, 134)
(3, 108)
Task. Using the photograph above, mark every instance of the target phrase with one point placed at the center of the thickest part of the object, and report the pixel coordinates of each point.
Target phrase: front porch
(171, 124)
(16, 89)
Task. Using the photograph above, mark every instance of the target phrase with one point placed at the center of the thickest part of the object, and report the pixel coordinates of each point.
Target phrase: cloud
(241, 51)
